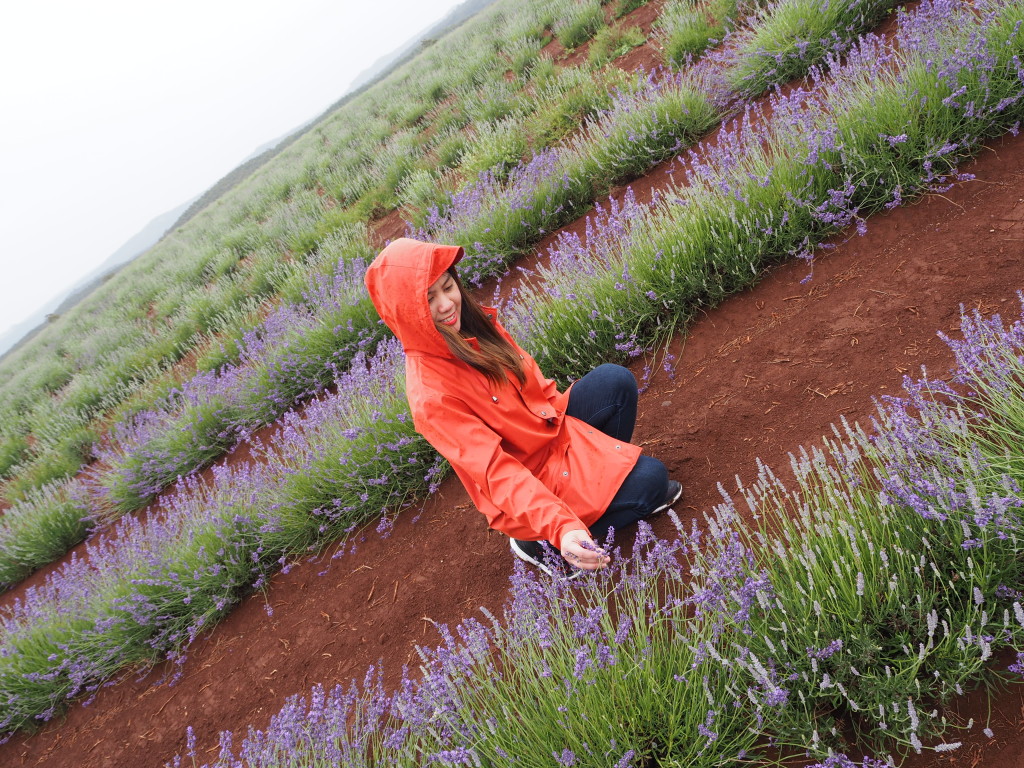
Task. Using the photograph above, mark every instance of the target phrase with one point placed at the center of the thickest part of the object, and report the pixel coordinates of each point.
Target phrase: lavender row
(651, 120)
(893, 121)
(785, 38)
(42, 527)
(613, 672)
(145, 591)
(497, 218)
(293, 354)
(858, 602)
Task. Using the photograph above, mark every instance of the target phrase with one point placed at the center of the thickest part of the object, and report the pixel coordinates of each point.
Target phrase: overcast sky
(115, 112)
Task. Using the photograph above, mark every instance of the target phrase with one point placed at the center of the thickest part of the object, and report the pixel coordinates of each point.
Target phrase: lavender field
(877, 588)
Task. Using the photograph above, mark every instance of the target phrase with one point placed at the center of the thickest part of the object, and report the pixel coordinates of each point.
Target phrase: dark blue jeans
(606, 399)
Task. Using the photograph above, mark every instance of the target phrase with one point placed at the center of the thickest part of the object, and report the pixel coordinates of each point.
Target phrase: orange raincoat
(534, 472)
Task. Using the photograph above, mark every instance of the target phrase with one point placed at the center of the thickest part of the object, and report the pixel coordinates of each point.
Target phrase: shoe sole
(668, 504)
(522, 555)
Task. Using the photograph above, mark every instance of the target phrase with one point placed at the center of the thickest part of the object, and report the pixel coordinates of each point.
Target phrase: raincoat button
(565, 474)
(494, 398)
(543, 413)
(618, 447)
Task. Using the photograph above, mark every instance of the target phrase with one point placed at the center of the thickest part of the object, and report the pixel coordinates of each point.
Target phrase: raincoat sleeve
(514, 501)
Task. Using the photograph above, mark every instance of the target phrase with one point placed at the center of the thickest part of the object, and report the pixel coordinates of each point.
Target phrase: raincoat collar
(398, 280)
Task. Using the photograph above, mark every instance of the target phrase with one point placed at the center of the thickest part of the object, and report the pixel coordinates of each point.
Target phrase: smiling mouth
(451, 319)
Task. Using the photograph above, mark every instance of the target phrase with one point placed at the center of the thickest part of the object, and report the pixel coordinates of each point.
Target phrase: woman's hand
(580, 551)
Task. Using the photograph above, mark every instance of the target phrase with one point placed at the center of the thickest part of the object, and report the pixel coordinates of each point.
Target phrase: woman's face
(445, 302)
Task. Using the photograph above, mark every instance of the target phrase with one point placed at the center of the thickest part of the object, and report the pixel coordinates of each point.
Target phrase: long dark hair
(496, 356)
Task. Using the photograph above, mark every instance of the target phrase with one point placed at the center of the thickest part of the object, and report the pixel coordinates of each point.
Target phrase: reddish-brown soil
(762, 374)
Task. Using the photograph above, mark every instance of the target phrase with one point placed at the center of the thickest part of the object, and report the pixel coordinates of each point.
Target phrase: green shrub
(375, 202)
(50, 467)
(13, 449)
(628, 6)
(648, 123)
(247, 237)
(566, 101)
(522, 54)
(53, 374)
(44, 525)
(788, 37)
(580, 23)
(497, 147)
(611, 42)
(421, 191)
(448, 120)
(450, 148)
(543, 70)
(493, 101)
(437, 91)
(685, 29)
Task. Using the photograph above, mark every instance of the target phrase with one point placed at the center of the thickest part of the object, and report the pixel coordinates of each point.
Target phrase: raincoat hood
(398, 280)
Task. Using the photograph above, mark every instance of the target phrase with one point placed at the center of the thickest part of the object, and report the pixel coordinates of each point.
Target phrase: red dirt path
(767, 371)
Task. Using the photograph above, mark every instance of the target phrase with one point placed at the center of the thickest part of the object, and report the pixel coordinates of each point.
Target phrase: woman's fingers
(581, 551)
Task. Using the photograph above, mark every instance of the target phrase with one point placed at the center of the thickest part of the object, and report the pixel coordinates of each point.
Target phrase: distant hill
(372, 74)
(382, 66)
(62, 302)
